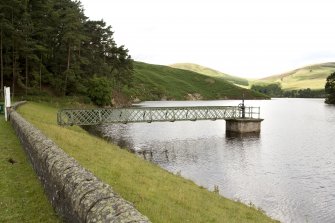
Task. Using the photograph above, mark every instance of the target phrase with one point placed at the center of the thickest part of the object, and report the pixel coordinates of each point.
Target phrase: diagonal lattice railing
(152, 114)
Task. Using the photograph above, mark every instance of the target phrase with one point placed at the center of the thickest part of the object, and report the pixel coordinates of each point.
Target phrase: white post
(4, 106)
(7, 101)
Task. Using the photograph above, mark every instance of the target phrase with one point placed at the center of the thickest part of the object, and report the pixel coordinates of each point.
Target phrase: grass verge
(22, 198)
(158, 194)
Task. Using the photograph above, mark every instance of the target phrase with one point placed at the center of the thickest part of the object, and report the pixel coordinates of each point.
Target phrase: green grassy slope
(22, 198)
(210, 72)
(154, 82)
(313, 77)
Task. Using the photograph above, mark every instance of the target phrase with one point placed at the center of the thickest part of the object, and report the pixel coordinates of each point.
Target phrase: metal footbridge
(154, 114)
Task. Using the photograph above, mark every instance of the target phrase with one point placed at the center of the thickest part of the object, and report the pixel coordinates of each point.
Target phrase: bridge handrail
(154, 108)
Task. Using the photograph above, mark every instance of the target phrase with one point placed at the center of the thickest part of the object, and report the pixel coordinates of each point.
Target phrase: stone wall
(75, 193)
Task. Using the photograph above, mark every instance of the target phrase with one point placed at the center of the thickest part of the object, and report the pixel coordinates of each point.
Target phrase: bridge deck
(152, 114)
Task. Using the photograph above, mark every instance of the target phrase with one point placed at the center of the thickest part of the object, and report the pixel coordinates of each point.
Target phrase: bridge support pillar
(243, 126)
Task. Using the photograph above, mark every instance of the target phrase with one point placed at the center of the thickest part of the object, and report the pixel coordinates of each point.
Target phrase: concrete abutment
(243, 126)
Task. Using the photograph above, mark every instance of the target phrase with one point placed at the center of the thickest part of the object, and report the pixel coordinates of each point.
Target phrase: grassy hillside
(313, 77)
(154, 82)
(210, 72)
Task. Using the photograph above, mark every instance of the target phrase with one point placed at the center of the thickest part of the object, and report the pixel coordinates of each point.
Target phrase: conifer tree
(52, 43)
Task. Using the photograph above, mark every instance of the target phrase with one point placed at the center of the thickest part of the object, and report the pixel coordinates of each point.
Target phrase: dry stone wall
(75, 193)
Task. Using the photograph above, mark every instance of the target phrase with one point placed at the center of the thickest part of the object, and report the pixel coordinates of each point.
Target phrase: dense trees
(330, 89)
(51, 44)
(99, 91)
(272, 90)
(275, 90)
(304, 93)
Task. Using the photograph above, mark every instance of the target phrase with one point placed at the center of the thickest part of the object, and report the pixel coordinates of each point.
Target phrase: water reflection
(288, 170)
(240, 136)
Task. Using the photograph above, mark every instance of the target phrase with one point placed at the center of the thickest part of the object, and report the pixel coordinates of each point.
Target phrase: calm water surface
(288, 171)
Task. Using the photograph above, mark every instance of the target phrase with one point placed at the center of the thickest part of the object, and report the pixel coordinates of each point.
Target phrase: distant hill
(156, 82)
(313, 77)
(210, 72)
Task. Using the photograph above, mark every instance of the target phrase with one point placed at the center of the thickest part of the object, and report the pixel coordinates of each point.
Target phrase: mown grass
(22, 198)
(154, 82)
(160, 195)
(211, 73)
(313, 77)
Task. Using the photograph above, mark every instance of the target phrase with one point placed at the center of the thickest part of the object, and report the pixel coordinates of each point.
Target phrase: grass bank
(160, 195)
(22, 198)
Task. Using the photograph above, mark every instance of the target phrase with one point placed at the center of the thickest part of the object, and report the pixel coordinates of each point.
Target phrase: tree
(100, 91)
(70, 36)
(4, 25)
(330, 89)
(107, 59)
(41, 16)
(28, 47)
(1, 54)
(11, 16)
(122, 70)
(54, 39)
(272, 90)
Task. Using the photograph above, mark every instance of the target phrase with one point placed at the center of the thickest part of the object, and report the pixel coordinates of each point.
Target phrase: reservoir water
(288, 170)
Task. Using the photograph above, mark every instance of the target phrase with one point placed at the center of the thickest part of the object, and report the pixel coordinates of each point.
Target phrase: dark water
(288, 171)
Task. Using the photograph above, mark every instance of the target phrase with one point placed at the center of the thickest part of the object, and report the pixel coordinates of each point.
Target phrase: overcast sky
(240, 37)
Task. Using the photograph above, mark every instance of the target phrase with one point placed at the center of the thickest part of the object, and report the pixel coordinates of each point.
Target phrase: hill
(313, 77)
(156, 82)
(210, 72)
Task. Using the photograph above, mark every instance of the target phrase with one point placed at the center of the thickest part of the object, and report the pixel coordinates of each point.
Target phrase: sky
(251, 39)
